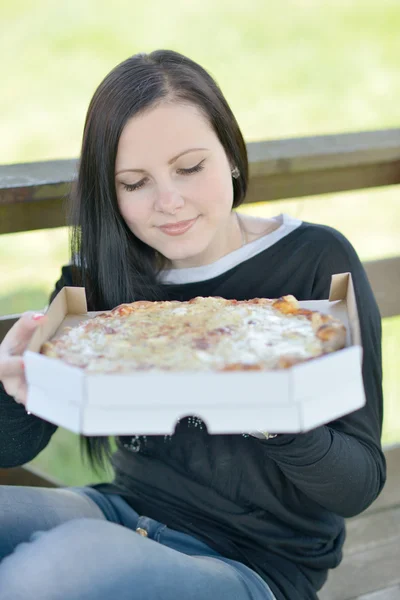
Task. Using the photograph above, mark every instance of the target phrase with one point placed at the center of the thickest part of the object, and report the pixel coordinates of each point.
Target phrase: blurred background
(287, 67)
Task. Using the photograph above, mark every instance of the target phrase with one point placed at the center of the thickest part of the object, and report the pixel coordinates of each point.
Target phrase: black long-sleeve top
(277, 505)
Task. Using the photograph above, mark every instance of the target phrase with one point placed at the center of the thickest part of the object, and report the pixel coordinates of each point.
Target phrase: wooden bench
(371, 564)
(32, 197)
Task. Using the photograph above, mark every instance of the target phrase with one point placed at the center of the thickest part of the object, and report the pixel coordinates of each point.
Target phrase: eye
(134, 186)
(194, 169)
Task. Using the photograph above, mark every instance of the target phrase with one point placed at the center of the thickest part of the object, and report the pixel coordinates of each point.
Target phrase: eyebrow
(170, 162)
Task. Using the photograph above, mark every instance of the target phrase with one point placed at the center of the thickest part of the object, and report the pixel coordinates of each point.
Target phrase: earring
(235, 173)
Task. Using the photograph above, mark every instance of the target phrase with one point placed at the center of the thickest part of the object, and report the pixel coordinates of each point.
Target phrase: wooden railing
(32, 194)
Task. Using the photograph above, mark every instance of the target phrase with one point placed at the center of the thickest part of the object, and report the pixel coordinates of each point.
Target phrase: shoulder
(330, 252)
(327, 244)
(323, 234)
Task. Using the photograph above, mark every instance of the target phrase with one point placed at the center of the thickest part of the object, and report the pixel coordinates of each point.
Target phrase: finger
(22, 393)
(18, 337)
(11, 367)
(17, 388)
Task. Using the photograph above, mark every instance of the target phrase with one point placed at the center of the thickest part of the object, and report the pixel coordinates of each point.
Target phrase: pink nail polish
(37, 316)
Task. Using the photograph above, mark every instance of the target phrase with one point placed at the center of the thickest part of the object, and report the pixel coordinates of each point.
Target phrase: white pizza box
(291, 400)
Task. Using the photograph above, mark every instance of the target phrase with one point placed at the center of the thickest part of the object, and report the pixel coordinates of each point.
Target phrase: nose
(168, 200)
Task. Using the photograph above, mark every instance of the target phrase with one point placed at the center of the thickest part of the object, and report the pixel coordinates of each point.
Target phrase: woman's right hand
(12, 373)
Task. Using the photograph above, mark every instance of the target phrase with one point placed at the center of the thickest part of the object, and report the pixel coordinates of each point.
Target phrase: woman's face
(174, 185)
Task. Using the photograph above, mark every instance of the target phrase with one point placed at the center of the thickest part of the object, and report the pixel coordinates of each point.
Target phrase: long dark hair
(111, 263)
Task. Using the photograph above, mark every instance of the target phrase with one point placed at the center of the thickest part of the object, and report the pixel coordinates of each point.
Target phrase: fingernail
(37, 316)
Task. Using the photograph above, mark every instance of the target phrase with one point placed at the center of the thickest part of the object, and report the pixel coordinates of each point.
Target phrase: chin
(181, 254)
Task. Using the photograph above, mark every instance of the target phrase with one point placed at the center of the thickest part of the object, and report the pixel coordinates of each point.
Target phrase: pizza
(202, 334)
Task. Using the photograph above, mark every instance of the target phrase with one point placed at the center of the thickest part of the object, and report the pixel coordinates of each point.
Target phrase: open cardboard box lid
(290, 400)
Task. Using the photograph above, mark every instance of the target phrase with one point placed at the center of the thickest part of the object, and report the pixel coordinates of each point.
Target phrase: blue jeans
(82, 544)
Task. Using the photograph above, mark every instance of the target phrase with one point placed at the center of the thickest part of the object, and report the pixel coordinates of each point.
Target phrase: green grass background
(287, 67)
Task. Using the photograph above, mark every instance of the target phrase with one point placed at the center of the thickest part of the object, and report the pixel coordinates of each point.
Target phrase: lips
(178, 228)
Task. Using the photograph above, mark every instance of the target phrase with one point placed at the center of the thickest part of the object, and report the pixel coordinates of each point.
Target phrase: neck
(243, 231)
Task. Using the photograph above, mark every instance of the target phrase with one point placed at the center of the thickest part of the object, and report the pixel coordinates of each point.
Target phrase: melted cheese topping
(206, 334)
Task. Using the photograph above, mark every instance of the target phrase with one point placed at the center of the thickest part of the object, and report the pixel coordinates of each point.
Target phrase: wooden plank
(316, 153)
(384, 276)
(28, 182)
(323, 164)
(372, 549)
(33, 195)
(368, 531)
(365, 572)
(27, 476)
(295, 184)
(29, 216)
(392, 593)
(278, 169)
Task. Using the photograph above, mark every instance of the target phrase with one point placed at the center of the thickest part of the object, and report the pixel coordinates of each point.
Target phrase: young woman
(191, 515)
